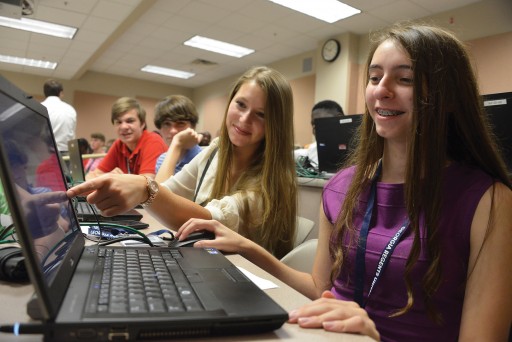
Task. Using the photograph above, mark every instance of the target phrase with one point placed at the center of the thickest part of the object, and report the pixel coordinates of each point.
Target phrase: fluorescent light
(28, 62)
(39, 27)
(167, 72)
(326, 10)
(218, 46)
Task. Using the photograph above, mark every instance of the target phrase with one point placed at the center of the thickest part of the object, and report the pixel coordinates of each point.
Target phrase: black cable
(23, 328)
(127, 230)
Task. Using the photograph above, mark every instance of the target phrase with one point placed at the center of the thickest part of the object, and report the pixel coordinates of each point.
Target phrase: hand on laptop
(113, 194)
(225, 240)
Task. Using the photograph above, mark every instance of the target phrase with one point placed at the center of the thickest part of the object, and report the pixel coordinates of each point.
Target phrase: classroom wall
(491, 58)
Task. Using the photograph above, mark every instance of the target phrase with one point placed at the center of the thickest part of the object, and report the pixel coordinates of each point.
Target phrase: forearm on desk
(300, 281)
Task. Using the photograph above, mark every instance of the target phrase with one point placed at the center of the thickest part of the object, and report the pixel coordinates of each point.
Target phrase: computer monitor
(499, 108)
(334, 140)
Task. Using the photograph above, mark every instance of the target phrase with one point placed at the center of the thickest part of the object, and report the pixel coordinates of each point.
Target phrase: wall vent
(307, 65)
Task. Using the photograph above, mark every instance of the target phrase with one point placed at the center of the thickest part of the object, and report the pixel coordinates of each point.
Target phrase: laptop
(87, 212)
(203, 294)
(76, 166)
(334, 140)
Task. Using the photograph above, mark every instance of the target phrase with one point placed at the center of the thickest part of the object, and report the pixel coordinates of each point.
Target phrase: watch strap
(151, 193)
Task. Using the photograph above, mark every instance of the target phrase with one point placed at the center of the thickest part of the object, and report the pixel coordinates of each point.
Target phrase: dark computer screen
(499, 108)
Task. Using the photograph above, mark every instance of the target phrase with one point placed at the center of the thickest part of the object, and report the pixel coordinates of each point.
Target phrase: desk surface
(14, 298)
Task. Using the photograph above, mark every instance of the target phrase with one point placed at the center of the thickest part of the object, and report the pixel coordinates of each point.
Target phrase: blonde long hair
(272, 172)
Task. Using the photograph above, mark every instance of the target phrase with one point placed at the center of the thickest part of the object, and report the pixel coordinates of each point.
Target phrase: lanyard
(128, 165)
(361, 247)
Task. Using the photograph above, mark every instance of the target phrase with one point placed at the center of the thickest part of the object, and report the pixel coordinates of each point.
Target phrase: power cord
(23, 328)
(115, 233)
(305, 167)
(7, 234)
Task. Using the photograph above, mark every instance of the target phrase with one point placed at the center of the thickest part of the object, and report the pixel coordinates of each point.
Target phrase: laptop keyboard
(140, 281)
(85, 208)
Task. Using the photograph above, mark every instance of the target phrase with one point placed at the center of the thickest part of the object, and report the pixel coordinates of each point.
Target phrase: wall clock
(330, 50)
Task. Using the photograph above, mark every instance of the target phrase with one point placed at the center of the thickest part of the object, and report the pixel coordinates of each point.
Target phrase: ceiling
(120, 36)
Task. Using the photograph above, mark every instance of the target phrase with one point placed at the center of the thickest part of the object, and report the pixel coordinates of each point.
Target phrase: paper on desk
(263, 284)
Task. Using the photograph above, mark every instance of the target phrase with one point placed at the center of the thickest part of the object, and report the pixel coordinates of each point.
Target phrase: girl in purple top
(415, 232)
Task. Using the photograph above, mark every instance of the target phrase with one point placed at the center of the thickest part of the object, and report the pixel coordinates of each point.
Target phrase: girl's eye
(374, 79)
(406, 80)
(240, 104)
(261, 114)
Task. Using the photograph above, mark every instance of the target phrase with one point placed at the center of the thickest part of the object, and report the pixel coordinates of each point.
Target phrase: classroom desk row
(13, 299)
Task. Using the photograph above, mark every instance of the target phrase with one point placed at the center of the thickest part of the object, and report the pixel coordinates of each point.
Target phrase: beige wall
(492, 57)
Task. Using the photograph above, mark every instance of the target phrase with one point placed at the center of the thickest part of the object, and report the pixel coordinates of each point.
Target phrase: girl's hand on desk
(113, 194)
(335, 315)
(225, 240)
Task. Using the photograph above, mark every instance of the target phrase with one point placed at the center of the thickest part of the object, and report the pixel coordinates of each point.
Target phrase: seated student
(244, 179)
(98, 146)
(136, 150)
(426, 190)
(322, 109)
(176, 118)
(84, 148)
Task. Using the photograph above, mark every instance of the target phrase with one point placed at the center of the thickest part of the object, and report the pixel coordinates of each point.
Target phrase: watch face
(154, 186)
(330, 50)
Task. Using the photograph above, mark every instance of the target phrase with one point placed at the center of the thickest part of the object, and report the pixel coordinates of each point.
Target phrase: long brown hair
(448, 124)
(272, 172)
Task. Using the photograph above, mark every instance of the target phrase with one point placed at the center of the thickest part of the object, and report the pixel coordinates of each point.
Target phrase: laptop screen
(33, 182)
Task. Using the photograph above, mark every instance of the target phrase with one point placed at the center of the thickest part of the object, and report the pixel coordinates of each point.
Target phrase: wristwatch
(152, 187)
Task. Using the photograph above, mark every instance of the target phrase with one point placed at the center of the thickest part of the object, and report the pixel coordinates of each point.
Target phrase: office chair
(304, 227)
(302, 257)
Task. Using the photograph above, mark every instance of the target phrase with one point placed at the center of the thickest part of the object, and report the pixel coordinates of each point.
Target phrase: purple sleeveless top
(462, 190)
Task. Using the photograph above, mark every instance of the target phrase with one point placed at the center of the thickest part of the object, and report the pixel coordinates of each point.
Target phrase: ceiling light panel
(38, 26)
(28, 62)
(327, 10)
(218, 46)
(167, 71)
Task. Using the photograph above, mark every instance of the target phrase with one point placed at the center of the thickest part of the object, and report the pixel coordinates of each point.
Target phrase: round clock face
(330, 50)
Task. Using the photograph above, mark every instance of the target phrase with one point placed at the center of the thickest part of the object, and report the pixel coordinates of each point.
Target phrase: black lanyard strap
(204, 172)
(361, 246)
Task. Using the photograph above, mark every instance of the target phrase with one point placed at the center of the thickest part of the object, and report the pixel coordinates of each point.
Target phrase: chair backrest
(302, 257)
(304, 227)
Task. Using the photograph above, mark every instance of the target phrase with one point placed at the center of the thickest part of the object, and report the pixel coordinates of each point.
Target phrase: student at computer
(176, 118)
(244, 179)
(322, 109)
(98, 146)
(426, 190)
(136, 150)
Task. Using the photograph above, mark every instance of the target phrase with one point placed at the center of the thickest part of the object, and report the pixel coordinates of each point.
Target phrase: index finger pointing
(83, 189)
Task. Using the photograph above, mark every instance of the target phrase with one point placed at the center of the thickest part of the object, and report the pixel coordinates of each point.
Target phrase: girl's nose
(384, 90)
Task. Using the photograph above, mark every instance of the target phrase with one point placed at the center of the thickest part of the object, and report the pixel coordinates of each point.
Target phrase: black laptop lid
(34, 186)
(334, 140)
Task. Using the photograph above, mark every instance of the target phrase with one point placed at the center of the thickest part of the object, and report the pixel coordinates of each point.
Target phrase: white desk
(13, 299)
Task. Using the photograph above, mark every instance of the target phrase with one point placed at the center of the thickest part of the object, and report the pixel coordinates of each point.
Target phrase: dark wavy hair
(448, 124)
